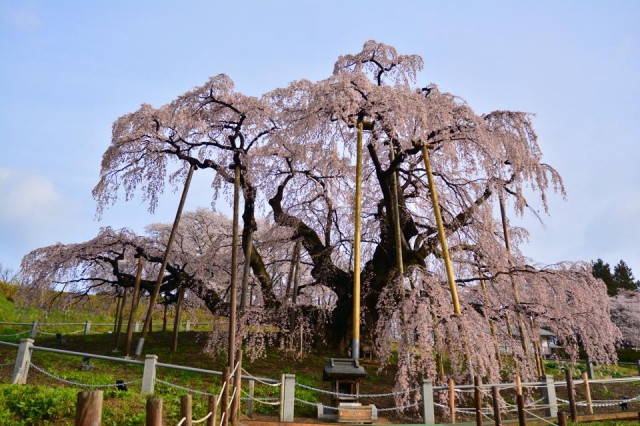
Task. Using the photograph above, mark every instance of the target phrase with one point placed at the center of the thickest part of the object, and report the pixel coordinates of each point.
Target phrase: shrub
(36, 405)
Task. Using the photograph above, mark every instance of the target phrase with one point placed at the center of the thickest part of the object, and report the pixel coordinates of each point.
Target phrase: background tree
(625, 312)
(602, 270)
(623, 277)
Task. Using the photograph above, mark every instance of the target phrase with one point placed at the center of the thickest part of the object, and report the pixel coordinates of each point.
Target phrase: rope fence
(82, 385)
(401, 397)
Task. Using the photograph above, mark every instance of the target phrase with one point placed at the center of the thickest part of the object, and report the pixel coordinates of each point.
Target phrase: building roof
(343, 368)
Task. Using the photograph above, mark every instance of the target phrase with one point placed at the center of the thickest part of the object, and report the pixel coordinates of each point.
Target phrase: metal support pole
(355, 340)
(443, 238)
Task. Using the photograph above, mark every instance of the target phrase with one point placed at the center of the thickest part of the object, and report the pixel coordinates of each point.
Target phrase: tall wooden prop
(395, 212)
(122, 303)
(355, 341)
(134, 305)
(156, 289)
(443, 238)
(234, 266)
(514, 286)
(176, 320)
(118, 303)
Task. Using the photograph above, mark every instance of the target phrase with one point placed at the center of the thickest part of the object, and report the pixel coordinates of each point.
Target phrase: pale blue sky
(68, 69)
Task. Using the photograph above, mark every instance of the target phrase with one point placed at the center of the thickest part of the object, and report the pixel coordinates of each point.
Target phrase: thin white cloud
(33, 214)
(24, 17)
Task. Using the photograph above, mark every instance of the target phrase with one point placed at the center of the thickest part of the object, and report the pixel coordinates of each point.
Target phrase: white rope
(53, 334)
(14, 335)
(260, 381)
(182, 420)
(202, 419)
(173, 385)
(261, 400)
(349, 395)
(234, 369)
(4, 365)
(539, 418)
(224, 385)
(602, 403)
(231, 398)
(82, 384)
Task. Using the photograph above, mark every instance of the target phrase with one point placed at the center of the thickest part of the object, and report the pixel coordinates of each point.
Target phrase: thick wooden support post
(224, 402)
(34, 331)
(154, 411)
(518, 386)
(452, 401)
(87, 328)
(211, 421)
(562, 418)
(571, 396)
(89, 408)
(495, 395)
(185, 410)
(522, 416)
(587, 391)
(478, 400)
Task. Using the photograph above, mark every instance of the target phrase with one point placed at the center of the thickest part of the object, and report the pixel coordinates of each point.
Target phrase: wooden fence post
(237, 388)
(452, 401)
(185, 409)
(154, 411)
(573, 412)
(495, 395)
(211, 421)
(224, 402)
(478, 400)
(87, 327)
(562, 418)
(522, 416)
(34, 331)
(89, 408)
(587, 391)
